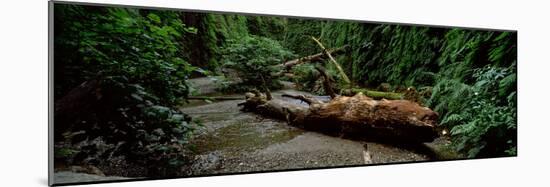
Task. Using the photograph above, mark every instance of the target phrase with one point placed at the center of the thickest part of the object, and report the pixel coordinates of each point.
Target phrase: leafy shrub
(130, 122)
(463, 69)
(484, 125)
(136, 56)
(203, 49)
(117, 41)
(305, 76)
(253, 57)
(450, 96)
(475, 92)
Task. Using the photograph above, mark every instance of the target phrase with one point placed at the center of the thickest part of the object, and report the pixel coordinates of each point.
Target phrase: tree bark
(326, 81)
(78, 100)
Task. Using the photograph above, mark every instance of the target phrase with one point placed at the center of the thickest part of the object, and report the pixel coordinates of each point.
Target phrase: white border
(23, 94)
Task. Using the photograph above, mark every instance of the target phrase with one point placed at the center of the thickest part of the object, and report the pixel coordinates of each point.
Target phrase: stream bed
(232, 141)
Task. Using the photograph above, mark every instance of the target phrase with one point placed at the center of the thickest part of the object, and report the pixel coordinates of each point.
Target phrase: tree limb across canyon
(311, 58)
(327, 53)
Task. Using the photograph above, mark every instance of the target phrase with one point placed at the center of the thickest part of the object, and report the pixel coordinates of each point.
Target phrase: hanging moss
(297, 37)
(398, 55)
(212, 32)
(468, 73)
(272, 27)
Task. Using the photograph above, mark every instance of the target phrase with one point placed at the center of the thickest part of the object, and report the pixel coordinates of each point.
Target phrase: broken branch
(326, 82)
(327, 53)
(311, 58)
(308, 100)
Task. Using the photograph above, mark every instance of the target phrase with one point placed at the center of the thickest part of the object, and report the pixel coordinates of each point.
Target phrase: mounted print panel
(141, 93)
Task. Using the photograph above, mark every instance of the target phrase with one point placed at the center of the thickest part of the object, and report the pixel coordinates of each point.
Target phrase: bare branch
(327, 53)
(308, 100)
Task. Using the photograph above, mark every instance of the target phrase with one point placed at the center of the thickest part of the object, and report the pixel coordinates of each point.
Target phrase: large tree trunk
(358, 117)
(78, 100)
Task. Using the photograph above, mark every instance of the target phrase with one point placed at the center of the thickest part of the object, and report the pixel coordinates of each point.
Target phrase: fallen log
(358, 117)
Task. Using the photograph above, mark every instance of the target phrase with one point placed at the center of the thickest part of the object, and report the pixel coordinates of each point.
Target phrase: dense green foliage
(253, 57)
(398, 55)
(272, 27)
(204, 48)
(136, 56)
(297, 38)
(470, 74)
(122, 42)
(475, 92)
(486, 124)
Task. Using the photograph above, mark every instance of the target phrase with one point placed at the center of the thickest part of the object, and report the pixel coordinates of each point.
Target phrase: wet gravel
(72, 177)
(231, 141)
